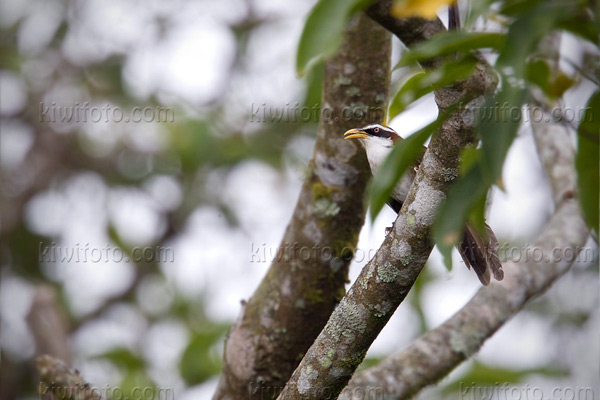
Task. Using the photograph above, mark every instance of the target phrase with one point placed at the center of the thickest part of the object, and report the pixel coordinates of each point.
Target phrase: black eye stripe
(379, 132)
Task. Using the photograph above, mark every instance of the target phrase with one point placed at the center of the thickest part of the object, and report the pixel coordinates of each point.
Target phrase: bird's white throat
(377, 150)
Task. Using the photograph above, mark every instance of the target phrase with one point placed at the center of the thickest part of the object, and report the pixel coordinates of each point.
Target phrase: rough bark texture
(435, 354)
(58, 381)
(432, 356)
(387, 278)
(306, 280)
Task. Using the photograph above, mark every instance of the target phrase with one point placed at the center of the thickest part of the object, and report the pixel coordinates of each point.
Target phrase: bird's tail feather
(481, 254)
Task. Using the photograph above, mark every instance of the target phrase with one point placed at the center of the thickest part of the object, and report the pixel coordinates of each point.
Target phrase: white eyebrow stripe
(373, 126)
(383, 128)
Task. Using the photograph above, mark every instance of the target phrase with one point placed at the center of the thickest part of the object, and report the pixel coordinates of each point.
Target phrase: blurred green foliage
(203, 138)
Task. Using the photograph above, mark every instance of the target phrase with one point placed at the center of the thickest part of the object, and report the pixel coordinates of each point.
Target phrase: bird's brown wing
(492, 254)
(477, 252)
(481, 254)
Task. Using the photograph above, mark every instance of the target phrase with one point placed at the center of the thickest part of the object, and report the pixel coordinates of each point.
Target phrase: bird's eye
(376, 130)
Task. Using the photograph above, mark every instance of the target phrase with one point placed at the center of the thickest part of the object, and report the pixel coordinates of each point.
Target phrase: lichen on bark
(433, 355)
(274, 330)
(412, 229)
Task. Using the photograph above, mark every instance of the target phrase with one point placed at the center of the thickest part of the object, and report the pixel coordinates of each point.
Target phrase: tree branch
(62, 382)
(307, 278)
(432, 356)
(386, 279)
(49, 325)
(435, 354)
(410, 31)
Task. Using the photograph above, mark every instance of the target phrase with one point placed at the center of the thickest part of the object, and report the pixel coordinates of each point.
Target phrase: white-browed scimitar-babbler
(480, 254)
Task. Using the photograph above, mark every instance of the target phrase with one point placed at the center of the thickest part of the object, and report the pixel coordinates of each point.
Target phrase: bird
(478, 252)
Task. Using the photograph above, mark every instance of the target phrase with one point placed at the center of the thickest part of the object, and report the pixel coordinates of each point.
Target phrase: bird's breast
(403, 186)
(376, 154)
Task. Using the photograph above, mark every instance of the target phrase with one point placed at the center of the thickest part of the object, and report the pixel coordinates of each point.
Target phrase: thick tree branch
(386, 279)
(307, 278)
(435, 354)
(432, 356)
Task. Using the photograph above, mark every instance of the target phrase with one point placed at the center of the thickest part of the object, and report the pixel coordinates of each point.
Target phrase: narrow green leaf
(468, 158)
(538, 73)
(450, 43)
(475, 10)
(501, 116)
(524, 35)
(465, 194)
(199, 362)
(586, 162)
(423, 83)
(124, 358)
(323, 31)
(402, 156)
(498, 126)
(514, 8)
(587, 30)
(499, 120)
(476, 216)
(481, 381)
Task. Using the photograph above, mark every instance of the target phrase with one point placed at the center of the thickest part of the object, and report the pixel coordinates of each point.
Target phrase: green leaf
(560, 84)
(587, 30)
(416, 294)
(368, 362)
(586, 161)
(468, 159)
(514, 8)
(497, 127)
(476, 216)
(489, 378)
(323, 31)
(133, 382)
(498, 130)
(538, 73)
(423, 83)
(402, 156)
(465, 194)
(450, 43)
(312, 100)
(199, 362)
(124, 358)
(475, 10)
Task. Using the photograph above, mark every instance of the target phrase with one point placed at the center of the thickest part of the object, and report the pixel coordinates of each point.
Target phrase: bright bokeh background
(213, 186)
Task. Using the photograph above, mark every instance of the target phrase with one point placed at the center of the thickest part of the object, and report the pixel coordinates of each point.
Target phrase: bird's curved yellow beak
(355, 134)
